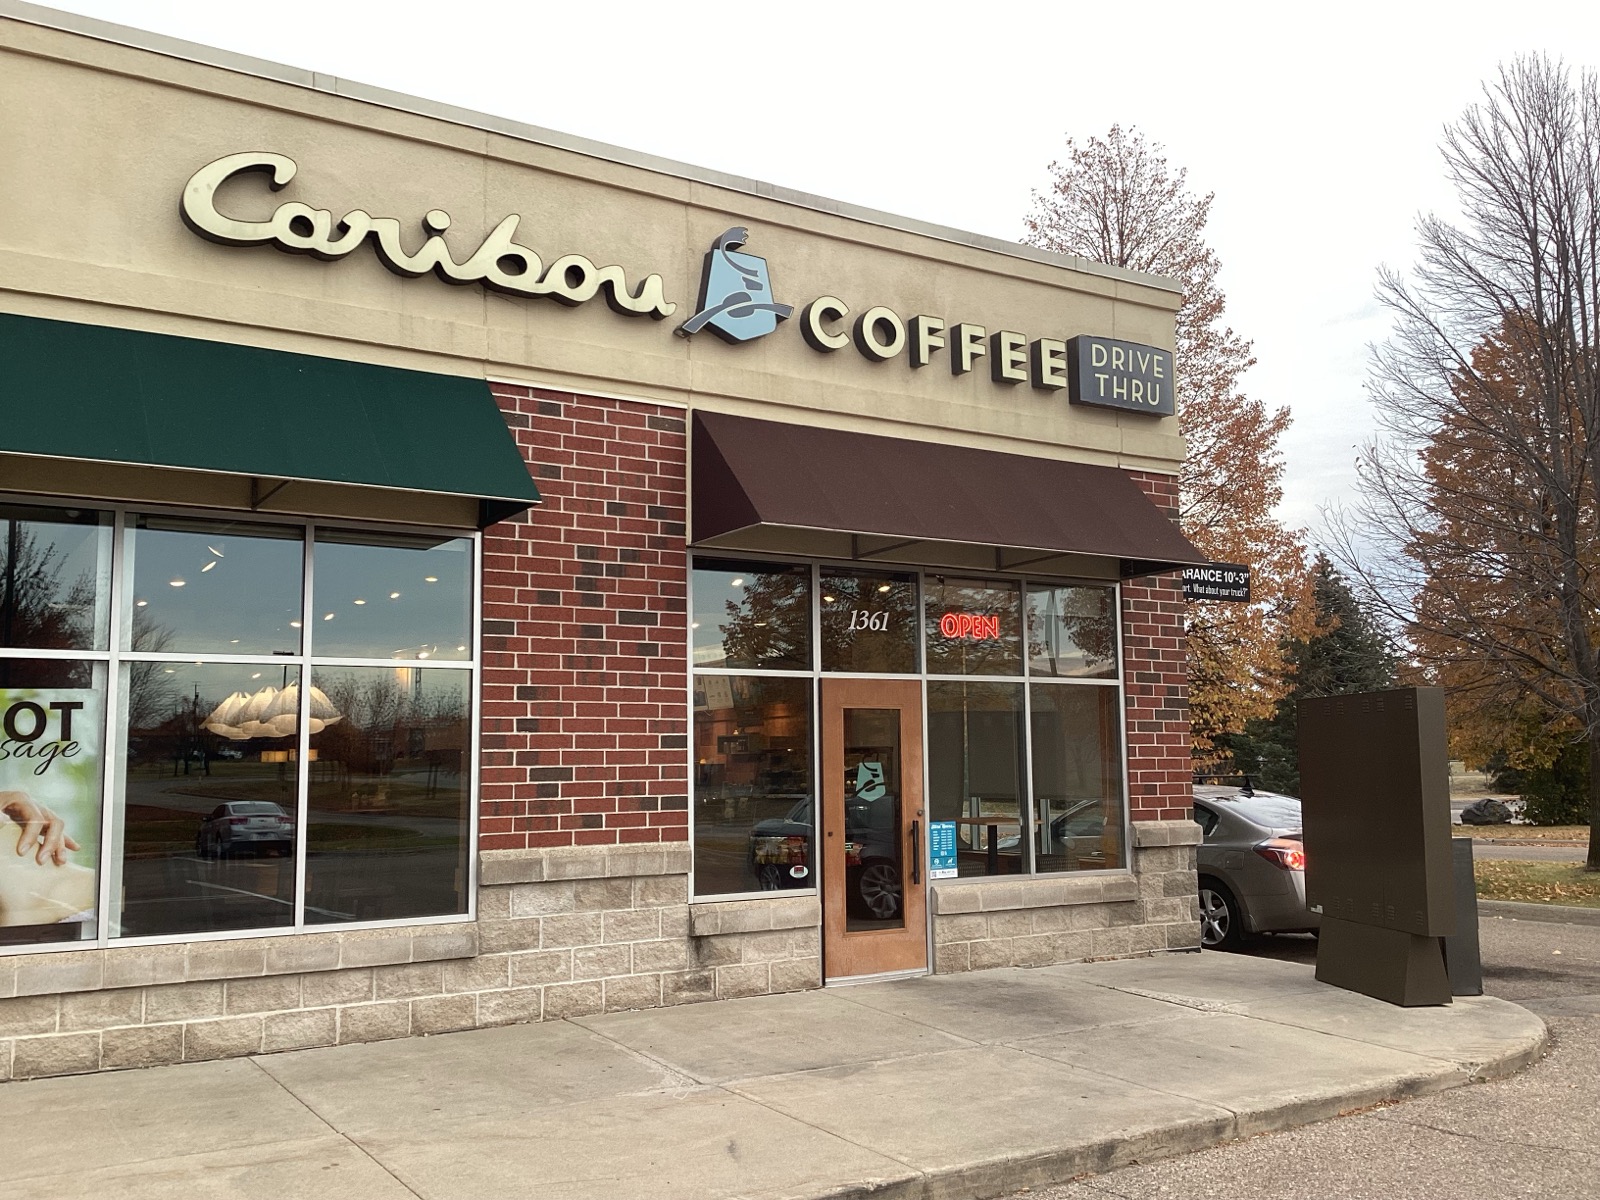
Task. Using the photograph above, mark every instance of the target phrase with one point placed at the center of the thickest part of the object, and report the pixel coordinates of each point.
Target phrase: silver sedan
(1252, 866)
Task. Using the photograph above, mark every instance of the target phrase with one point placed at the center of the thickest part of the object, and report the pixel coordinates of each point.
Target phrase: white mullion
(691, 780)
(112, 766)
(474, 727)
(303, 727)
(42, 653)
(1122, 733)
(201, 658)
(1030, 860)
(429, 664)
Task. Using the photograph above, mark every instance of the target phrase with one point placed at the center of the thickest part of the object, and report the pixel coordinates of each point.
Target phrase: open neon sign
(976, 626)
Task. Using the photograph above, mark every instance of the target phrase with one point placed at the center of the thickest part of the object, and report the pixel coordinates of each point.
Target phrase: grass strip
(1538, 883)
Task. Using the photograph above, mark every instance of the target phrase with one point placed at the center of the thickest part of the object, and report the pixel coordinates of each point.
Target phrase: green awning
(115, 395)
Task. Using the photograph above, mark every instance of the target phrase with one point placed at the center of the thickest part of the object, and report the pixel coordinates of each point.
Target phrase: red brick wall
(1155, 667)
(585, 668)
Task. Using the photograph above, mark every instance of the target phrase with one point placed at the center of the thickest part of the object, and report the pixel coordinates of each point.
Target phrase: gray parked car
(1252, 866)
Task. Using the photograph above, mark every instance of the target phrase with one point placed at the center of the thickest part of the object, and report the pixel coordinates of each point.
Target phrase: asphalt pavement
(1535, 1134)
(1551, 854)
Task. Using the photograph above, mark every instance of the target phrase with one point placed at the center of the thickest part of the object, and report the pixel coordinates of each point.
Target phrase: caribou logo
(735, 293)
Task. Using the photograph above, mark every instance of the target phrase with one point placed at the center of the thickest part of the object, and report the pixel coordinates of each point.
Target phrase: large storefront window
(386, 825)
(1023, 719)
(869, 621)
(753, 794)
(52, 719)
(752, 615)
(282, 757)
(977, 772)
(1077, 777)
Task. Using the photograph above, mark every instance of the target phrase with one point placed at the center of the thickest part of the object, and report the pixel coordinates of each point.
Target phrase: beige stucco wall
(99, 138)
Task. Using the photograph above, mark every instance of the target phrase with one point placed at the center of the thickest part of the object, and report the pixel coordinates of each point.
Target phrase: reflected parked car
(780, 855)
(1252, 866)
(256, 825)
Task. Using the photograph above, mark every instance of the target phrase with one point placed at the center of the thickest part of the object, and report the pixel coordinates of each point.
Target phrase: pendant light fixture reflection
(270, 713)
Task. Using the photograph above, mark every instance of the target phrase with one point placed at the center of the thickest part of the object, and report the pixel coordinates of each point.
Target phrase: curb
(1554, 914)
(1004, 1176)
(1551, 842)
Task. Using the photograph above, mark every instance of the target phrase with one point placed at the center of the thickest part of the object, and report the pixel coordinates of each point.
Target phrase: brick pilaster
(585, 667)
(1155, 666)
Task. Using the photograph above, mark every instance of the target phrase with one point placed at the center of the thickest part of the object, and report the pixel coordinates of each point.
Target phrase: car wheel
(200, 847)
(1221, 922)
(769, 877)
(879, 889)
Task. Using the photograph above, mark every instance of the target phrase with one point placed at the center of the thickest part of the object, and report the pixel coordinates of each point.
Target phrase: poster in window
(50, 764)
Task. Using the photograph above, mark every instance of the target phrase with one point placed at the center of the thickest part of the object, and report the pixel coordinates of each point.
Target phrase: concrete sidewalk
(949, 1086)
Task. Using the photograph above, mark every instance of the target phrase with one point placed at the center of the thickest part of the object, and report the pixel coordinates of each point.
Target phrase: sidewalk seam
(728, 1090)
(341, 1134)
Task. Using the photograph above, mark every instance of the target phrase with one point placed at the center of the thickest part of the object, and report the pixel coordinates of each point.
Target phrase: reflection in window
(975, 772)
(387, 819)
(974, 626)
(203, 838)
(752, 615)
(1077, 777)
(754, 812)
(54, 565)
(53, 716)
(391, 596)
(873, 858)
(869, 621)
(1072, 631)
(226, 587)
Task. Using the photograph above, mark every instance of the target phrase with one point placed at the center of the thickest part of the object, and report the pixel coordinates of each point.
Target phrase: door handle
(916, 852)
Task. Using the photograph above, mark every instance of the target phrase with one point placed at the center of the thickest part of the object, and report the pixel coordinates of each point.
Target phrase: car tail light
(1283, 852)
(238, 820)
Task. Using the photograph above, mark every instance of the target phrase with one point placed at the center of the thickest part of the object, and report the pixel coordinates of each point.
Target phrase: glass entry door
(873, 894)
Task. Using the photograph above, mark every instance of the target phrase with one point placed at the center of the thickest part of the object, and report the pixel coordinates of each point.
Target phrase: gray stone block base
(560, 933)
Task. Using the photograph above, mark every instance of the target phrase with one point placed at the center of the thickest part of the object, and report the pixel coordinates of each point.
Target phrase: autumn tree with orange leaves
(1116, 201)
(1479, 519)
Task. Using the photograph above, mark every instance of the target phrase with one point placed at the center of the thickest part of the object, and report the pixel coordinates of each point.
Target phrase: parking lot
(1536, 1134)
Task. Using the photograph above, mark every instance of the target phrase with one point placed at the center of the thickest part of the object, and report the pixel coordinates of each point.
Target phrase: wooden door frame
(881, 951)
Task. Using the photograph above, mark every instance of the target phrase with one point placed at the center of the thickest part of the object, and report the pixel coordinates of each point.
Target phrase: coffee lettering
(968, 347)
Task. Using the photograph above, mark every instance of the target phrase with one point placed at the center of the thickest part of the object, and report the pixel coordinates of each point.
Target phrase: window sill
(1002, 893)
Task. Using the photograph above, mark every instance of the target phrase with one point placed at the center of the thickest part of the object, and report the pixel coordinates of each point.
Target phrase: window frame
(1026, 678)
(114, 764)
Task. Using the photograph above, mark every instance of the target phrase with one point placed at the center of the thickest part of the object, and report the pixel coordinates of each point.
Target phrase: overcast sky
(1317, 132)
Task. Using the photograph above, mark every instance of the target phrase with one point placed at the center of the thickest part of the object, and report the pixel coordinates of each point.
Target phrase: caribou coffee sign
(499, 263)
(736, 294)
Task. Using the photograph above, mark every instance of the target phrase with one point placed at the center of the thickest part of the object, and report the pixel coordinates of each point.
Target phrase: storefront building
(452, 574)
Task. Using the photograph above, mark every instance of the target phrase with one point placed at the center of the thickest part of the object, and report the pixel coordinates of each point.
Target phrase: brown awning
(767, 484)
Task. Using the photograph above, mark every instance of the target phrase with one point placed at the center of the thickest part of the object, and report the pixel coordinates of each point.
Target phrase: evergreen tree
(1346, 652)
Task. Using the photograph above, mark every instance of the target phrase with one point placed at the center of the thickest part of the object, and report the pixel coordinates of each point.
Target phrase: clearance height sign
(1217, 581)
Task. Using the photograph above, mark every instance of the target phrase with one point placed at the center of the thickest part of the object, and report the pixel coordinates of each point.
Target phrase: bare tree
(1476, 526)
(1115, 200)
